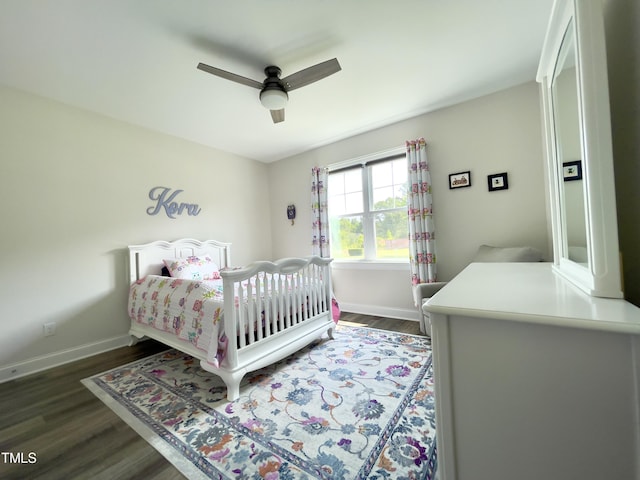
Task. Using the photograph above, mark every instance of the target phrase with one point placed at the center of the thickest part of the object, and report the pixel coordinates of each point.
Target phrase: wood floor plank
(75, 436)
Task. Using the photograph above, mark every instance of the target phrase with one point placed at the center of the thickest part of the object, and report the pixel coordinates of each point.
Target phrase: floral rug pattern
(359, 406)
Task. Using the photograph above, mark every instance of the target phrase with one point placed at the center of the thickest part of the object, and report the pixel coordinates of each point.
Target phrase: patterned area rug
(359, 406)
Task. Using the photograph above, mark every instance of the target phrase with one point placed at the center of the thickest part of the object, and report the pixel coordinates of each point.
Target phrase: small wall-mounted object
(497, 181)
(166, 200)
(291, 212)
(459, 180)
(572, 170)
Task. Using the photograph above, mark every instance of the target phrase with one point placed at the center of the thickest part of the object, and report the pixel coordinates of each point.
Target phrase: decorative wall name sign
(166, 200)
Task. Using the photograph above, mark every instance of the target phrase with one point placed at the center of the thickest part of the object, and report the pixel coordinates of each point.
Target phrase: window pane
(392, 234)
(347, 237)
(400, 171)
(382, 174)
(336, 184)
(345, 192)
(353, 180)
(336, 205)
(354, 202)
(389, 184)
(383, 198)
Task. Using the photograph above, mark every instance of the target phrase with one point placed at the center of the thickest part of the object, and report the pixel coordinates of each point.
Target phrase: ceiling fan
(273, 91)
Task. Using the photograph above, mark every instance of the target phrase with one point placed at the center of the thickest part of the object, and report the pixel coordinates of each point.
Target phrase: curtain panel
(320, 217)
(422, 242)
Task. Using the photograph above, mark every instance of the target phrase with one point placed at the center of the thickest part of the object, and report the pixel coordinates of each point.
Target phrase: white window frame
(368, 215)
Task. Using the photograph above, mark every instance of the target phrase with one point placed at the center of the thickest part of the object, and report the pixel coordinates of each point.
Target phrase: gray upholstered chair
(486, 253)
(421, 293)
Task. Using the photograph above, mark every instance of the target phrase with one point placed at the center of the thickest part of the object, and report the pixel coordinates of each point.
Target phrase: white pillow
(193, 268)
(487, 253)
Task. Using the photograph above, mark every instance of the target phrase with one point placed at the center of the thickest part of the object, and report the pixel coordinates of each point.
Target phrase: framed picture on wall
(498, 181)
(460, 180)
(572, 170)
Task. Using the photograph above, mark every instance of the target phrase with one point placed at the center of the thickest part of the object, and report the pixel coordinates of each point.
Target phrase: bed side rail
(266, 298)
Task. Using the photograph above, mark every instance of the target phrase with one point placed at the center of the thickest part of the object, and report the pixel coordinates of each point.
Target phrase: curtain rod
(360, 162)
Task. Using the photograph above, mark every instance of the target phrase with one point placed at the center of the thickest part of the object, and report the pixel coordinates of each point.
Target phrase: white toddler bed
(234, 322)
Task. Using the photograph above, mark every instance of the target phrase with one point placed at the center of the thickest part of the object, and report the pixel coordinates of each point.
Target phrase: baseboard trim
(378, 311)
(45, 362)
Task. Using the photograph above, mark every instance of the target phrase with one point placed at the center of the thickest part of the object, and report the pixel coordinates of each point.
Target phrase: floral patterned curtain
(422, 243)
(320, 225)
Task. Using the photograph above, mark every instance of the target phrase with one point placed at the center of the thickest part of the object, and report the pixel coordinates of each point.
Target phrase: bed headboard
(147, 259)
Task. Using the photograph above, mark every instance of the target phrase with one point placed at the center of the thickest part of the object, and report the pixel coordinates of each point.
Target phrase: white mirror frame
(600, 277)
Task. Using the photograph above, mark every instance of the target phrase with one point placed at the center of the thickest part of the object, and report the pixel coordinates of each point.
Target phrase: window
(368, 211)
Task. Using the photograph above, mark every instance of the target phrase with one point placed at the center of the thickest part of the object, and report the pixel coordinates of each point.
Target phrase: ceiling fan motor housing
(273, 96)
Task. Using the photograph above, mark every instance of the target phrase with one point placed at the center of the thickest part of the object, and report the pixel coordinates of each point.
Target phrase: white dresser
(534, 379)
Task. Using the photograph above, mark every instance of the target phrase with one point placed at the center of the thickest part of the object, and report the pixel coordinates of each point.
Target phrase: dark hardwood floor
(403, 326)
(52, 427)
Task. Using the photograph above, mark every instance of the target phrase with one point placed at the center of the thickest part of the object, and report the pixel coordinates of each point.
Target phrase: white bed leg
(231, 379)
(133, 340)
(233, 390)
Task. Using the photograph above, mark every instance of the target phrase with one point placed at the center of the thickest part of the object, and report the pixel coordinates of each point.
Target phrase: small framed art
(459, 180)
(498, 181)
(572, 170)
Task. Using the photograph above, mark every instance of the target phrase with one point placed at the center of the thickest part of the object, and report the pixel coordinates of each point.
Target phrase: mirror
(566, 114)
(577, 128)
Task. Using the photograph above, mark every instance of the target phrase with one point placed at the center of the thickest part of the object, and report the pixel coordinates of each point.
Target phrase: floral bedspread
(190, 309)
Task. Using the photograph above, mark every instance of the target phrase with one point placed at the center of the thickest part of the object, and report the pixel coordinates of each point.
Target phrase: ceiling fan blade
(277, 115)
(311, 74)
(230, 76)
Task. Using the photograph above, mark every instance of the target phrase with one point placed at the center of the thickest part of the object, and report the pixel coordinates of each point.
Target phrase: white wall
(493, 134)
(74, 193)
(622, 30)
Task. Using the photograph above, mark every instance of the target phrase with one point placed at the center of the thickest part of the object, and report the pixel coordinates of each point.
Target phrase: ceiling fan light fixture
(273, 90)
(273, 98)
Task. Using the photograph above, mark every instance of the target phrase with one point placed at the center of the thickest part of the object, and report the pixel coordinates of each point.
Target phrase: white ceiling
(135, 60)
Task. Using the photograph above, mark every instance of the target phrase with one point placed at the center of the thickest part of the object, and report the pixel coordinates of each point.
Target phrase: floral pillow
(193, 268)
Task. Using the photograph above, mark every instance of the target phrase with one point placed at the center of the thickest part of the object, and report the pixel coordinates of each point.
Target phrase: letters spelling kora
(167, 201)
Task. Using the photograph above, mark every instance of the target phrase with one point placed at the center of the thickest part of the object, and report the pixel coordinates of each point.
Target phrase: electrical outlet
(49, 329)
